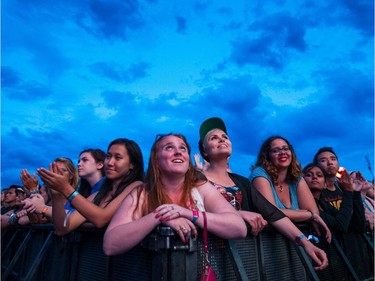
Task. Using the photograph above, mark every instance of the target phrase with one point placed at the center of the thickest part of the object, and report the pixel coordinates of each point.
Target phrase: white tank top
(198, 199)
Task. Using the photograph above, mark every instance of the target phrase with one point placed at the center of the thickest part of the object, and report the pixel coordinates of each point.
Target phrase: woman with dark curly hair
(277, 175)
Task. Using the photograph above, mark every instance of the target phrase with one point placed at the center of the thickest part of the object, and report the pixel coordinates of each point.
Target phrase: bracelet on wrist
(71, 196)
(44, 209)
(313, 239)
(195, 215)
(312, 215)
(298, 239)
(12, 219)
(36, 191)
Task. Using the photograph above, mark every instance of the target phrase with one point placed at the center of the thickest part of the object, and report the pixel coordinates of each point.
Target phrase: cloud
(181, 24)
(269, 41)
(117, 73)
(110, 19)
(351, 90)
(9, 77)
(359, 14)
(78, 74)
(14, 88)
(34, 44)
(285, 30)
(34, 149)
(255, 51)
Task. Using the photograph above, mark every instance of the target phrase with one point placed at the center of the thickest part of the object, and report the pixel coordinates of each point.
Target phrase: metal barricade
(34, 253)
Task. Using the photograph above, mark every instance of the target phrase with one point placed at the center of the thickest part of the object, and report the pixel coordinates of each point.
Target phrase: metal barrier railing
(35, 253)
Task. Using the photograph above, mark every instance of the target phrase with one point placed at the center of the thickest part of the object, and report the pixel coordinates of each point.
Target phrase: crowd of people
(109, 189)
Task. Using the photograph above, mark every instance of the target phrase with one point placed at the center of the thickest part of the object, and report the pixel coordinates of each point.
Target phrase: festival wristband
(299, 238)
(195, 215)
(45, 209)
(71, 196)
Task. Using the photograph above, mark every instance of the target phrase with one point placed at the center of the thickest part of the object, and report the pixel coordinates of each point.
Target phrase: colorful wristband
(45, 209)
(299, 238)
(195, 215)
(71, 196)
(313, 239)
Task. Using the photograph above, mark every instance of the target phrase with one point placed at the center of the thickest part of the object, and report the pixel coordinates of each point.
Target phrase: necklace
(281, 187)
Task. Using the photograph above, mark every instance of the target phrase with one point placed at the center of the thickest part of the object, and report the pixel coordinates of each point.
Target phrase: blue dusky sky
(78, 74)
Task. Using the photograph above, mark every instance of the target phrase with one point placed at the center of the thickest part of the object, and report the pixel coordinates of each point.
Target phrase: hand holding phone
(340, 172)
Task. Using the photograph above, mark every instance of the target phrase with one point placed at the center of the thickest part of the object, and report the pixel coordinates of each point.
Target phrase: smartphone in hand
(339, 172)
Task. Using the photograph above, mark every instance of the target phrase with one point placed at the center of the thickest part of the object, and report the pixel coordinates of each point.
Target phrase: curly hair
(264, 161)
(155, 193)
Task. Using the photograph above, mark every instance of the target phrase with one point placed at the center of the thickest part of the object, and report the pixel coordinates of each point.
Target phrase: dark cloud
(286, 30)
(181, 24)
(269, 41)
(31, 150)
(117, 73)
(348, 14)
(238, 93)
(15, 88)
(110, 19)
(42, 57)
(359, 14)
(248, 51)
(350, 90)
(9, 77)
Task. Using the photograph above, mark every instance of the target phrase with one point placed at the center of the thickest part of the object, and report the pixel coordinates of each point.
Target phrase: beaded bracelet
(195, 216)
(71, 196)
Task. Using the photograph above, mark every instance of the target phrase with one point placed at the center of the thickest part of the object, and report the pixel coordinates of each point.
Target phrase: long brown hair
(264, 161)
(155, 193)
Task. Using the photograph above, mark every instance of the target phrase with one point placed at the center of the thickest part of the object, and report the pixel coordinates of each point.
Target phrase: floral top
(233, 194)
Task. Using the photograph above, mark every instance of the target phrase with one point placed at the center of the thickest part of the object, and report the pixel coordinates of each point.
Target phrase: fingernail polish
(157, 216)
(168, 218)
(161, 219)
